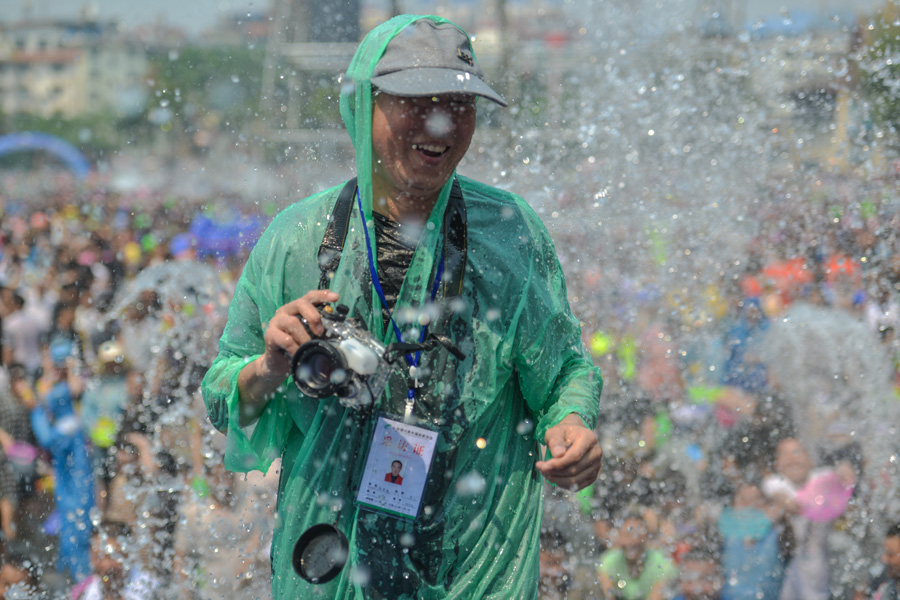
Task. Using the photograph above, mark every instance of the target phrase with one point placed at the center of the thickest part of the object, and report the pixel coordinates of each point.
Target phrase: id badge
(397, 466)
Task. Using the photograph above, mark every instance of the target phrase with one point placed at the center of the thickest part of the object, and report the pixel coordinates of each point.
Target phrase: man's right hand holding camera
(285, 333)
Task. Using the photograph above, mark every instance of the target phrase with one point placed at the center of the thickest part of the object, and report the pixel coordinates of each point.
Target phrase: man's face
(417, 142)
(632, 538)
(891, 556)
(395, 469)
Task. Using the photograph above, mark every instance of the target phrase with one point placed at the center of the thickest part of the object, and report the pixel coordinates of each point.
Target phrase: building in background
(68, 68)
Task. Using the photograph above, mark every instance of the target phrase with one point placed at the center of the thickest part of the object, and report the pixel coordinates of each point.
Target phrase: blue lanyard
(412, 360)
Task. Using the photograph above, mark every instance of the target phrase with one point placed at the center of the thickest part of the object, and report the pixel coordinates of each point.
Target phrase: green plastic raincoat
(525, 368)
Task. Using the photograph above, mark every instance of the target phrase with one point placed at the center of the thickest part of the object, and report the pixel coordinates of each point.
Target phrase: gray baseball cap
(428, 58)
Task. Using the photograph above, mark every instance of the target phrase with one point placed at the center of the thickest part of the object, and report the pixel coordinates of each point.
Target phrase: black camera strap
(455, 238)
(455, 242)
(335, 234)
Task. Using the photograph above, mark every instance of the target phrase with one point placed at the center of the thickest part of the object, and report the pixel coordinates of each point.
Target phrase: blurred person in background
(103, 405)
(18, 443)
(632, 569)
(17, 578)
(58, 429)
(751, 554)
(219, 541)
(23, 332)
(113, 576)
(556, 575)
(700, 576)
(807, 572)
(886, 586)
(131, 500)
(62, 330)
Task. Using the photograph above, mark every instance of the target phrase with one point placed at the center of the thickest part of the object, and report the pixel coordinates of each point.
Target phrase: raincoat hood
(357, 105)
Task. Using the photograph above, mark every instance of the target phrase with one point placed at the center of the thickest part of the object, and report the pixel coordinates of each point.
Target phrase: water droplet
(470, 484)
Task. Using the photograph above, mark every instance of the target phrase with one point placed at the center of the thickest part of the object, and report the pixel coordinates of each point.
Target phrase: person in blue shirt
(58, 429)
(751, 558)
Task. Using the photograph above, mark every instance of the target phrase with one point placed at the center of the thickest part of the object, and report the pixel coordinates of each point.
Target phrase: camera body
(347, 362)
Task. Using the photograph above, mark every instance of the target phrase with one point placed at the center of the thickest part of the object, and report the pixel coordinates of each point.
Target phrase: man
(887, 585)
(23, 329)
(631, 569)
(426, 255)
(394, 476)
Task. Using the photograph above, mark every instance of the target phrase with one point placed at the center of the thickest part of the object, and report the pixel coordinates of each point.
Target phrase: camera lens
(321, 553)
(318, 368)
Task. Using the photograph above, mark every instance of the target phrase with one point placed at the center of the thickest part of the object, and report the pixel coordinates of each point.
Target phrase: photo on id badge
(396, 468)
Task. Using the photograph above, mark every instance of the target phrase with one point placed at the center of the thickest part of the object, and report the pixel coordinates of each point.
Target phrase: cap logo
(466, 56)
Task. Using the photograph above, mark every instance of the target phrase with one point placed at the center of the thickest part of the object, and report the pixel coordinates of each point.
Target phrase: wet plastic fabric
(525, 369)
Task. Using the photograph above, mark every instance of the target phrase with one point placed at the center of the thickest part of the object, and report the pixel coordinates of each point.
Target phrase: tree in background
(879, 69)
(196, 90)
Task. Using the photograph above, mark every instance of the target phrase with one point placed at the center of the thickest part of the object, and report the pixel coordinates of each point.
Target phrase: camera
(347, 362)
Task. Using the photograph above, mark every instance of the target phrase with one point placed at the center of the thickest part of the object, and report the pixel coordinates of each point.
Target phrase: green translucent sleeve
(253, 447)
(555, 371)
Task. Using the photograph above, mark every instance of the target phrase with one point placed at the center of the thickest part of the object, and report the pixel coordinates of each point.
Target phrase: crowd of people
(111, 482)
(747, 449)
(713, 485)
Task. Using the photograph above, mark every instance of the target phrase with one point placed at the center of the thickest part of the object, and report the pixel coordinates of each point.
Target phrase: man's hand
(290, 327)
(576, 453)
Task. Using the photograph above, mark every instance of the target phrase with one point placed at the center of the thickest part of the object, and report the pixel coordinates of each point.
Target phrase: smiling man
(462, 271)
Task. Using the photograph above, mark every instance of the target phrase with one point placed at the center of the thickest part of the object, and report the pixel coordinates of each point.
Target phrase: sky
(197, 15)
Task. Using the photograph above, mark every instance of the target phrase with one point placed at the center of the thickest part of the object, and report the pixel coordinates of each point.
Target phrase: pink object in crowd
(824, 497)
(22, 453)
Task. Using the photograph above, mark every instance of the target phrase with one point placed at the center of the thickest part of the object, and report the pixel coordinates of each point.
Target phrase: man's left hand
(577, 456)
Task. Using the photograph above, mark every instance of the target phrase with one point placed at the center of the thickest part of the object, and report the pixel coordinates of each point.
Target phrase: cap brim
(434, 81)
